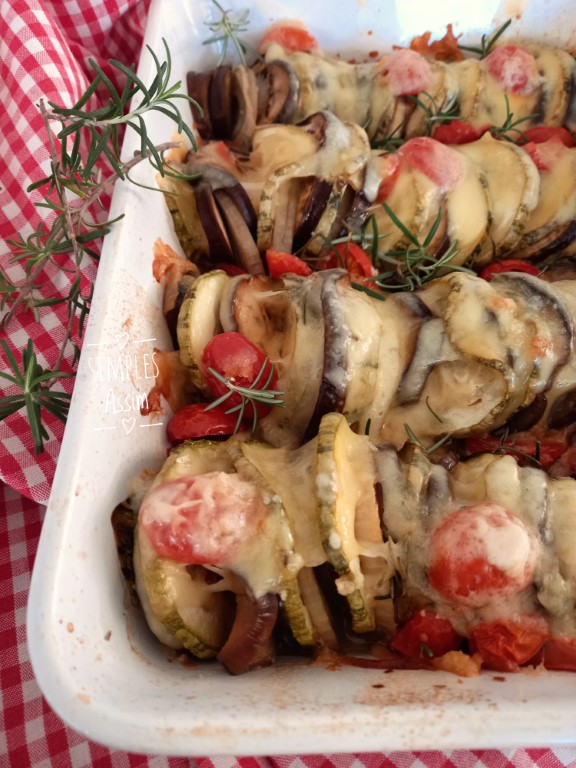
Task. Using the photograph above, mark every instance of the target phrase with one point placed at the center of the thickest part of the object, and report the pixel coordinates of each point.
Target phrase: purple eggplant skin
(198, 88)
(314, 208)
(250, 643)
(221, 103)
(563, 411)
(334, 383)
(527, 417)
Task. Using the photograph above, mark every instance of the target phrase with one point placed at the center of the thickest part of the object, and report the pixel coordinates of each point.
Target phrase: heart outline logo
(129, 424)
(122, 338)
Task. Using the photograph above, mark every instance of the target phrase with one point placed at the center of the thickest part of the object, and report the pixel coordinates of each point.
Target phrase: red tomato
(241, 363)
(543, 133)
(231, 269)
(388, 168)
(435, 160)
(426, 634)
(504, 645)
(560, 653)
(458, 132)
(203, 519)
(194, 421)
(522, 447)
(281, 263)
(545, 155)
(351, 257)
(508, 265)
(481, 553)
(291, 37)
(406, 72)
(514, 68)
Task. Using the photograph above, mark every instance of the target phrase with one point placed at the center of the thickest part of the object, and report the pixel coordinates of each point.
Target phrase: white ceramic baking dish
(96, 663)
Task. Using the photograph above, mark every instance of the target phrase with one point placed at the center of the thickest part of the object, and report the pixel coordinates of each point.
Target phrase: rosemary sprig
(486, 42)
(30, 378)
(225, 32)
(414, 265)
(510, 125)
(432, 448)
(72, 195)
(248, 395)
(436, 114)
(390, 143)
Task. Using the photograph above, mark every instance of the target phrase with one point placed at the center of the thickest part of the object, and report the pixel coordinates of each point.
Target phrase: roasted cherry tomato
(480, 554)
(508, 265)
(194, 422)
(514, 68)
(426, 634)
(388, 168)
(526, 449)
(242, 364)
(543, 133)
(351, 257)
(406, 72)
(231, 269)
(203, 519)
(505, 644)
(437, 161)
(291, 37)
(546, 154)
(458, 132)
(281, 263)
(560, 653)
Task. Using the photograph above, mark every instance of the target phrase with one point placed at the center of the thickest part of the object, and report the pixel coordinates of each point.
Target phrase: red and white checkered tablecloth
(33, 736)
(44, 47)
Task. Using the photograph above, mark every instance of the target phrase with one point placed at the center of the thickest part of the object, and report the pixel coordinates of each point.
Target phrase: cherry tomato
(481, 553)
(203, 519)
(435, 160)
(291, 37)
(241, 363)
(545, 155)
(351, 257)
(194, 422)
(526, 449)
(514, 68)
(406, 72)
(504, 644)
(388, 168)
(281, 263)
(542, 133)
(560, 653)
(458, 132)
(508, 265)
(426, 634)
(231, 269)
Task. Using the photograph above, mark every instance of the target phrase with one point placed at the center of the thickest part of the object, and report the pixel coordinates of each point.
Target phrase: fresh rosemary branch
(431, 449)
(486, 42)
(413, 266)
(72, 195)
(225, 32)
(511, 126)
(435, 114)
(248, 395)
(31, 380)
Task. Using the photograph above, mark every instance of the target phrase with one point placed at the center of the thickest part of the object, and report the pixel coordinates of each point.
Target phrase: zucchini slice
(509, 204)
(348, 512)
(199, 320)
(181, 607)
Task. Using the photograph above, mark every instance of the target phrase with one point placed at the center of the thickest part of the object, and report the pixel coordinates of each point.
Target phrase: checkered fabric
(44, 50)
(33, 736)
